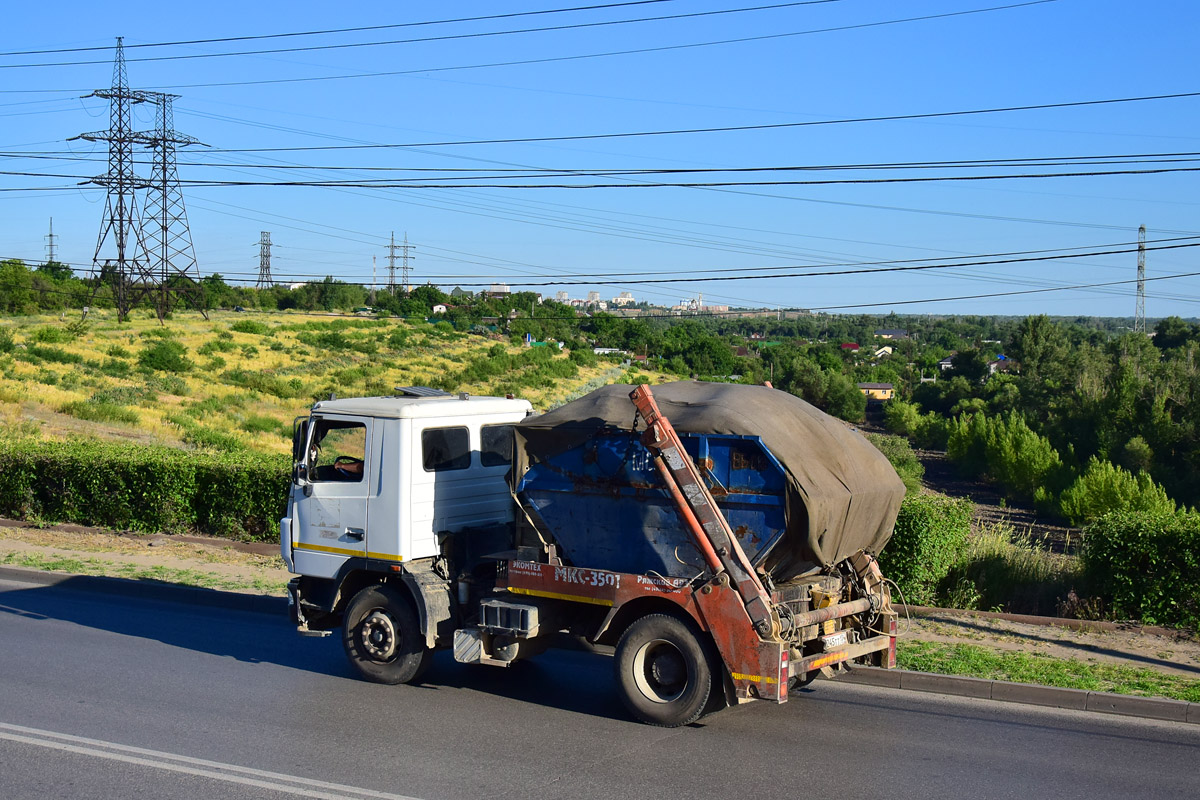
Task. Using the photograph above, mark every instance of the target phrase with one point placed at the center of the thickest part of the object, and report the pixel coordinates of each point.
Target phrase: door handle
(355, 533)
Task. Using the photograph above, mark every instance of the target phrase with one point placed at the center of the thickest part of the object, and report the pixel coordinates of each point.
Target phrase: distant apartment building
(624, 299)
(562, 297)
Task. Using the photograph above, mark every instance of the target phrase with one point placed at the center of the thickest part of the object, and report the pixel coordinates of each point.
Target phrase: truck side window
(444, 449)
(495, 445)
(338, 451)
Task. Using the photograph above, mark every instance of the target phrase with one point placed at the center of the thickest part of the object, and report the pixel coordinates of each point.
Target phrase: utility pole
(264, 261)
(391, 285)
(164, 220)
(51, 245)
(1139, 313)
(126, 270)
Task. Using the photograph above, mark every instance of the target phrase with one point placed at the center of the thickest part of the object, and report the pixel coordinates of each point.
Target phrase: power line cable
(425, 39)
(585, 56)
(325, 31)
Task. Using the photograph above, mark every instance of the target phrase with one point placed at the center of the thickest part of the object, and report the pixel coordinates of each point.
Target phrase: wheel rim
(378, 635)
(660, 671)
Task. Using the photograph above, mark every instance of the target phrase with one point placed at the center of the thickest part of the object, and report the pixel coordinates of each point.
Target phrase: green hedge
(1147, 565)
(929, 538)
(234, 495)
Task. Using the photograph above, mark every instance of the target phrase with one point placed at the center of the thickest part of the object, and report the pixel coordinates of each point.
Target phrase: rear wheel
(382, 637)
(662, 672)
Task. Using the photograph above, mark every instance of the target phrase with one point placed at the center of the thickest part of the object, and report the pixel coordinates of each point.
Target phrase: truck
(718, 541)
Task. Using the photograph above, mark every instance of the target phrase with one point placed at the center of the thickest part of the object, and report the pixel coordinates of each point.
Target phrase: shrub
(1104, 487)
(6, 341)
(116, 351)
(900, 453)
(164, 355)
(144, 488)
(56, 354)
(265, 382)
(99, 412)
(116, 368)
(929, 538)
(215, 346)
(256, 423)
(251, 326)
(50, 334)
(1146, 564)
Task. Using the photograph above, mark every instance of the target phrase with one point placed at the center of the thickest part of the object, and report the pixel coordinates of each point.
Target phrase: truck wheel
(662, 672)
(382, 637)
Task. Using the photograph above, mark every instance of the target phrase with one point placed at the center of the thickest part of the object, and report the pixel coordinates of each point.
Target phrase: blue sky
(1045, 53)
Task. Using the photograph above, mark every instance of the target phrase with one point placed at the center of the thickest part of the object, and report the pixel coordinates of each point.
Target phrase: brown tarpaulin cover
(843, 495)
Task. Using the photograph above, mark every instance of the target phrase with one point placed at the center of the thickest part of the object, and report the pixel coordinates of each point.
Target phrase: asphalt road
(109, 697)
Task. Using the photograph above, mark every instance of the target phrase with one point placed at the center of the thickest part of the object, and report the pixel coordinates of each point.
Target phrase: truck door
(330, 504)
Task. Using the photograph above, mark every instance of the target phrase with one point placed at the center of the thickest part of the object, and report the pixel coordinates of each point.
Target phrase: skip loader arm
(708, 526)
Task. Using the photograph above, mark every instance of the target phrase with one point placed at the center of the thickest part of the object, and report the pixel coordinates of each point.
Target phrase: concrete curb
(1026, 693)
(151, 591)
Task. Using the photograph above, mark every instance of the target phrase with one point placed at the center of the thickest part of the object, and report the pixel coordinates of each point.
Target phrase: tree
(16, 288)
(1174, 332)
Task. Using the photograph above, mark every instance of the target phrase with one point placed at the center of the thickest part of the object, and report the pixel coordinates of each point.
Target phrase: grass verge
(161, 574)
(975, 661)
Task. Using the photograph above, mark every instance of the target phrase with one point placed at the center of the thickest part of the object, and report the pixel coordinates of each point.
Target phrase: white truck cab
(381, 481)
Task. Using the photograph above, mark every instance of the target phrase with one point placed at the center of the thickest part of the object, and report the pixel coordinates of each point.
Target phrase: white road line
(275, 781)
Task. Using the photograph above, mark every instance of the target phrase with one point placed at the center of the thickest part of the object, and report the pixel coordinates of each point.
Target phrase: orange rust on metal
(759, 668)
(803, 619)
(700, 512)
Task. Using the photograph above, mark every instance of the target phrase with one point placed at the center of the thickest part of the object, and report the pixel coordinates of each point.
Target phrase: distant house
(850, 347)
(947, 362)
(877, 392)
(1001, 364)
(742, 352)
(892, 333)
(440, 308)
(883, 352)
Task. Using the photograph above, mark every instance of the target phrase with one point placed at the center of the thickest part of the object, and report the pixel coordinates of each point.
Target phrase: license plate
(834, 640)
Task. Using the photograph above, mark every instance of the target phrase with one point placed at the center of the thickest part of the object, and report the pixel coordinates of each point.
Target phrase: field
(237, 380)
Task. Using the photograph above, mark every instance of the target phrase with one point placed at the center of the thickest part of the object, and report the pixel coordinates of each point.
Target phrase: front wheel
(662, 672)
(382, 637)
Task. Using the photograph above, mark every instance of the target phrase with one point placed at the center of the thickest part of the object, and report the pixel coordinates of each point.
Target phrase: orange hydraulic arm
(700, 513)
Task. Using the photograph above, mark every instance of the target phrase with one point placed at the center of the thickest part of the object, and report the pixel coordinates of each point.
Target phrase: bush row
(233, 495)
(1147, 565)
(929, 538)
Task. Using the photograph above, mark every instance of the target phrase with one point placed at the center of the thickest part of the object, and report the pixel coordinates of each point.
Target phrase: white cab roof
(421, 407)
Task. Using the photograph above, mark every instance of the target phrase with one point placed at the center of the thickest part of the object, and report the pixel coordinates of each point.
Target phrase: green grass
(1004, 570)
(982, 662)
(112, 569)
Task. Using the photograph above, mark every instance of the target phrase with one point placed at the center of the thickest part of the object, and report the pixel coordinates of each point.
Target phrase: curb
(1026, 693)
(151, 591)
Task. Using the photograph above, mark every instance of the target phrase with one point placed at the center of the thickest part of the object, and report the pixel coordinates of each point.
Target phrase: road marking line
(156, 759)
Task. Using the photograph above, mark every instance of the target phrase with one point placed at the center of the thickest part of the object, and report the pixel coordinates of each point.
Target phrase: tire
(663, 674)
(382, 637)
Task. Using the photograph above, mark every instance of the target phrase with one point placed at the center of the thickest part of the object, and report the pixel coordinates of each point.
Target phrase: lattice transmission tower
(51, 245)
(404, 266)
(1139, 313)
(164, 217)
(264, 262)
(120, 258)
